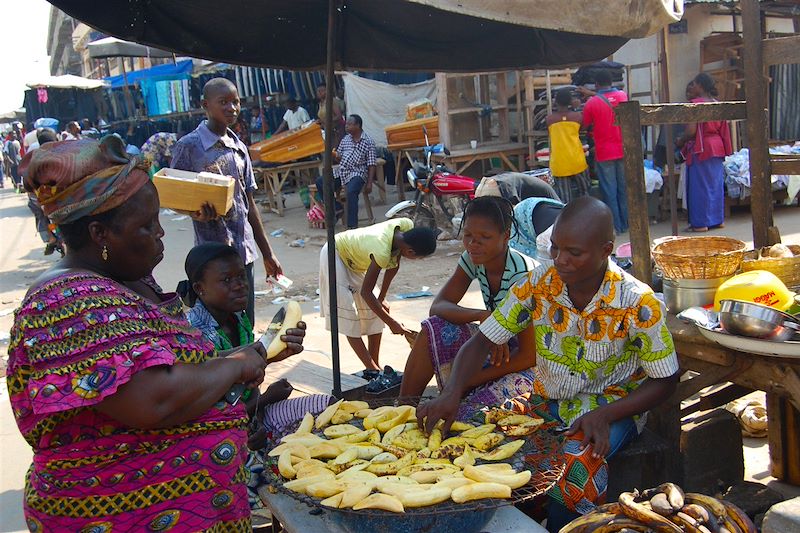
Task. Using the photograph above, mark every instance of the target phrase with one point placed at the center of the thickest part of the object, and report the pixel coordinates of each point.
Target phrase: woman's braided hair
(495, 208)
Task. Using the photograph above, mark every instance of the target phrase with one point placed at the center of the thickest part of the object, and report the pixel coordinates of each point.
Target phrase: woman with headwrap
(119, 397)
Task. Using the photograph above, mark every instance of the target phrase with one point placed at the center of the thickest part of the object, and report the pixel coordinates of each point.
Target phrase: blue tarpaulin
(180, 71)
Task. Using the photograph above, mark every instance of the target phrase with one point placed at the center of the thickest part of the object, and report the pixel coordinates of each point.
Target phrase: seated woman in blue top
(488, 223)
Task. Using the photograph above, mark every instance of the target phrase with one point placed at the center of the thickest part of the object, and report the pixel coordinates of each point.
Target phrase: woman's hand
(398, 328)
(280, 390)
(253, 361)
(272, 266)
(500, 354)
(294, 342)
(207, 213)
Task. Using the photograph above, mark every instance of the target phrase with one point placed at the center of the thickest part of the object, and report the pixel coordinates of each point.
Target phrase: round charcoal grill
(541, 454)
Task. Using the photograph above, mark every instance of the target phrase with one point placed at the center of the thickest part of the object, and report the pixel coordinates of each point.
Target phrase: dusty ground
(21, 261)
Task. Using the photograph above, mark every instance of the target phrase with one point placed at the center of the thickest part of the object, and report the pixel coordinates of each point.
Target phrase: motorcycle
(450, 191)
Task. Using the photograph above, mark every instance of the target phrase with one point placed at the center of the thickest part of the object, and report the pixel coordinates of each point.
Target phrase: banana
(347, 456)
(453, 482)
(334, 501)
(372, 420)
(714, 506)
(466, 458)
(285, 465)
(294, 314)
(497, 467)
(300, 485)
(313, 472)
(374, 436)
(395, 432)
(450, 451)
(504, 451)
(363, 413)
(413, 496)
(621, 524)
(391, 468)
(427, 467)
(305, 464)
(514, 420)
(326, 488)
(460, 426)
(413, 439)
(381, 482)
(590, 522)
(493, 415)
(380, 501)
(488, 441)
(478, 431)
(675, 495)
(524, 429)
(341, 417)
(698, 512)
(324, 418)
(423, 455)
(660, 504)
(340, 430)
(738, 517)
(356, 470)
(689, 524)
(640, 513)
(399, 452)
(435, 440)
(515, 480)
(458, 441)
(403, 413)
(383, 458)
(367, 451)
(353, 406)
(352, 438)
(325, 450)
(292, 445)
(354, 494)
(479, 491)
(306, 425)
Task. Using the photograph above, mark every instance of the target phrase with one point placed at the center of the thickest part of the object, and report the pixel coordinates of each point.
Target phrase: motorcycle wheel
(423, 218)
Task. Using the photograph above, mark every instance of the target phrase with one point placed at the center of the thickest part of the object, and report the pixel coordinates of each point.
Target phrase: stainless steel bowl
(681, 294)
(755, 320)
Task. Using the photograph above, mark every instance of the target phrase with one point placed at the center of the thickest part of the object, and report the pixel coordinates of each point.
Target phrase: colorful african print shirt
(76, 339)
(592, 357)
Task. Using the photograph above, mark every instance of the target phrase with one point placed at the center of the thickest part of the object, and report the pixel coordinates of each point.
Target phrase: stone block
(641, 464)
(711, 447)
(783, 517)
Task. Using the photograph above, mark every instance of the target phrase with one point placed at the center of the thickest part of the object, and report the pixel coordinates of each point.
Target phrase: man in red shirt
(598, 114)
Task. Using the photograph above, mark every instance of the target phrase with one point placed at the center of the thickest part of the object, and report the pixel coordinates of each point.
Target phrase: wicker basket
(699, 257)
(786, 268)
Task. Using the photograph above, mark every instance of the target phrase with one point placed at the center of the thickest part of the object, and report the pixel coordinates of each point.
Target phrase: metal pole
(260, 109)
(327, 195)
(126, 90)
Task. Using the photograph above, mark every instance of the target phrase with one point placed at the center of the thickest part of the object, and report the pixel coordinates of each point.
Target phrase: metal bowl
(755, 320)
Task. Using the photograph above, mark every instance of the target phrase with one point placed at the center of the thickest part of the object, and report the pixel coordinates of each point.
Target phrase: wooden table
(311, 374)
(460, 160)
(411, 155)
(743, 372)
(275, 178)
(294, 516)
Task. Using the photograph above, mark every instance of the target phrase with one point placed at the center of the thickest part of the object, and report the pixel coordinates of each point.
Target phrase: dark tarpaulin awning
(375, 34)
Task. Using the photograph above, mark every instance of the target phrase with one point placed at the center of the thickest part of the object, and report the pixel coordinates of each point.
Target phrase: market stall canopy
(67, 81)
(168, 71)
(113, 47)
(417, 35)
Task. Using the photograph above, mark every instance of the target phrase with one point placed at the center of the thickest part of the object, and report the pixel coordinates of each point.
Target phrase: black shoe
(387, 379)
(370, 374)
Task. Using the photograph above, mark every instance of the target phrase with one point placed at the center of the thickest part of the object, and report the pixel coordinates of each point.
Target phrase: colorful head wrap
(74, 179)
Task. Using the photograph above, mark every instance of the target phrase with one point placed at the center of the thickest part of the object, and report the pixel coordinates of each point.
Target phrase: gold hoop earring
(104, 253)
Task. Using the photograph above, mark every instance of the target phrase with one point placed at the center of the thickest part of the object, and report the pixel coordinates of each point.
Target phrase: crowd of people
(118, 386)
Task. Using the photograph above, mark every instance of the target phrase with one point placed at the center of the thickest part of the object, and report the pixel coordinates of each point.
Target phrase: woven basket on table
(786, 268)
(699, 257)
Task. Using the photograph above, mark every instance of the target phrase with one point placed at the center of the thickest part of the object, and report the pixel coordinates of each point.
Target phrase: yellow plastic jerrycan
(757, 286)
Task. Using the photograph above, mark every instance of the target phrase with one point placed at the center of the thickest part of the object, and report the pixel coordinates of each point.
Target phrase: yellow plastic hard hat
(757, 286)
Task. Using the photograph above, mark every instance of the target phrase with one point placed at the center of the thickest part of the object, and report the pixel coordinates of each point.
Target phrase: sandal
(696, 230)
(369, 374)
(387, 379)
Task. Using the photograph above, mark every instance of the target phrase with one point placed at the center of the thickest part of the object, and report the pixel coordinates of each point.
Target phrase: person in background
(567, 159)
(488, 224)
(705, 147)
(102, 364)
(47, 230)
(357, 167)
(216, 291)
(30, 138)
(13, 155)
(598, 117)
(361, 255)
(72, 132)
(338, 118)
(88, 130)
(158, 149)
(213, 147)
(294, 117)
(604, 354)
(534, 217)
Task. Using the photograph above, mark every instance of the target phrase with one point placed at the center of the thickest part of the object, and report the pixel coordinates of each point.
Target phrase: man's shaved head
(591, 215)
(214, 85)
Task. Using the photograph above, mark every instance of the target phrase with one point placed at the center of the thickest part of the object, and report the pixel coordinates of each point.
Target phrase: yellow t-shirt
(355, 246)
(566, 151)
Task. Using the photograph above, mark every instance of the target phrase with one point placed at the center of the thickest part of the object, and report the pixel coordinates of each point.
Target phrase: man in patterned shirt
(356, 158)
(603, 353)
(213, 147)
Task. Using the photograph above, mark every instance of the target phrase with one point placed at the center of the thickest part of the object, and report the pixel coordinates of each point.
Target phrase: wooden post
(628, 119)
(755, 95)
(672, 186)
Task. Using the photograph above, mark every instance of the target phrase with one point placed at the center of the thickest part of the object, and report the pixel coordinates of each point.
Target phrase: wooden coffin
(409, 134)
(180, 190)
(290, 145)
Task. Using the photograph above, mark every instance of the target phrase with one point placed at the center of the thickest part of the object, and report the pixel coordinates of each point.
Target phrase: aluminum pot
(755, 320)
(681, 294)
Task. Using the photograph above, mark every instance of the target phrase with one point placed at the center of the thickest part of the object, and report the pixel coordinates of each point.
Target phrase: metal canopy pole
(327, 195)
